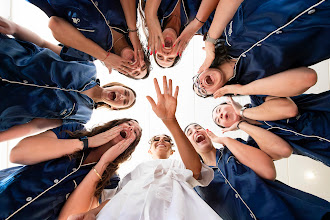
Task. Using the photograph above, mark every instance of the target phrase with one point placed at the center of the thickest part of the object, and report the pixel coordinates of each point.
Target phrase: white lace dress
(160, 190)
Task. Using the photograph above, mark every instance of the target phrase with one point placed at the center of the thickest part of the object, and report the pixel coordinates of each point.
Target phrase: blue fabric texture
(44, 86)
(87, 17)
(263, 48)
(234, 183)
(43, 187)
(308, 133)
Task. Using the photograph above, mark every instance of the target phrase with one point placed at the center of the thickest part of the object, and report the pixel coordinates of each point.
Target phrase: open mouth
(199, 138)
(112, 96)
(123, 134)
(208, 80)
(168, 42)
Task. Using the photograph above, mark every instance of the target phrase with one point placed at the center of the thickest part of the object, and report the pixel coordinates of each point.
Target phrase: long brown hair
(102, 104)
(114, 165)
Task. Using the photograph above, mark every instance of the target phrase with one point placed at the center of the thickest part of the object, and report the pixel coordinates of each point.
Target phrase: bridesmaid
(48, 91)
(58, 161)
(264, 47)
(104, 30)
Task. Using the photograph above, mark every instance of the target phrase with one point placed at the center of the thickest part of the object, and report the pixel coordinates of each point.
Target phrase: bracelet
(203, 22)
(241, 112)
(210, 39)
(106, 56)
(237, 126)
(84, 139)
(97, 173)
(132, 30)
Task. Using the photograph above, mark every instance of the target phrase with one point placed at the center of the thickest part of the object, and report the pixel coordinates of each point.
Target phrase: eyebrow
(144, 67)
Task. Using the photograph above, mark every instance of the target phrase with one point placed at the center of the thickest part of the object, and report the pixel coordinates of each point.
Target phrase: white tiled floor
(299, 172)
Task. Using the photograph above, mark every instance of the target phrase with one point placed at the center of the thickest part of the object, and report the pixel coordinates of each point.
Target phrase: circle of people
(256, 48)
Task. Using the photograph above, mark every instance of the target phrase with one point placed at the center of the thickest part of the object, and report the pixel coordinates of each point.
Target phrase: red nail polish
(173, 45)
(151, 53)
(163, 45)
(148, 47)
(207, 129)
(177, 54)
(155, 51)
(180, 54)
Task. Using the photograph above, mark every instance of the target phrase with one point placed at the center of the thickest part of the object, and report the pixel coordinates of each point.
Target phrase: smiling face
(141, 70)
(208, 82)
(118, 97)
(198, 138)
(225, 115)
(166, 55)
(161, 147)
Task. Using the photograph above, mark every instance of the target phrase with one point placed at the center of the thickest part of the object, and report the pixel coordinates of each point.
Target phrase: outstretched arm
(82, 199)
(22, 33)
(204, 11)
(56, 148)
(289, 83)
(67, 34)
(165, 109)
(252, 157)
(225, 11)
(274, 108)
(34, 126)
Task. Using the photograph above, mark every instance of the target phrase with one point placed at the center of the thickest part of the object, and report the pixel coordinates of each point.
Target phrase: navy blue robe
(238, 193)
(92, 18)
(42, 84)
(271, 36)
(39, 191)
(308, 133)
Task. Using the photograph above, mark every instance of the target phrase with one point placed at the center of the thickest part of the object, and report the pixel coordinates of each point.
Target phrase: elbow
(54, 25)
(270, 173)
(15, 155)
(291, 110)
(309, 78)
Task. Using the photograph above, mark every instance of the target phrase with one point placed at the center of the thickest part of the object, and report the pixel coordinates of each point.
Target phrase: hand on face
(214, 138)
(139, 67)
(224, 115)
(182, 41)
(236, 106)
(228, 89)
(138, 52)
(155, 34)
(166, 105)
(7, 26)
(233, 127)
(210, 55)
(118, 63)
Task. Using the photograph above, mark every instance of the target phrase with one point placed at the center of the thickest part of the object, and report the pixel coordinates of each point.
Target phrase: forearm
(32, 127)
(151, 9)
(285, 84)
(67, 34)
(129, 7)
(187, 152)
(252, 157)
(205, 9)
(82, 199)
(268, 142)
(274, 109)
(225, 11)
(43, 148)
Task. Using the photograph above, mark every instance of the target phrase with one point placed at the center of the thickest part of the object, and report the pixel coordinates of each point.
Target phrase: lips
(112, 96)
(209, 81)
(199, 138)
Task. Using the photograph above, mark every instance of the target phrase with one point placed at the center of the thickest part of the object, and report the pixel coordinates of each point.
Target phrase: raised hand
(228, 89)
(118, 63)
(7, 26)
(210, 55)
(105, 137)
(166, 103)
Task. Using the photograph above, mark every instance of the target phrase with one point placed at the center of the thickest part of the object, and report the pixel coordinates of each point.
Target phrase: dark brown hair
(221, 55)
(102, 104)
(114, 165)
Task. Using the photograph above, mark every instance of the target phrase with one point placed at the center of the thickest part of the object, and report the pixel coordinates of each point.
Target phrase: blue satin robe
(39, 191)
(308, 133)
(238, 193)
(92, 18)
(271, 36)
(37, 83)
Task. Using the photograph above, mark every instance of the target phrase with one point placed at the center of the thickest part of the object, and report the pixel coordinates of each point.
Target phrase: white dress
(160, 190)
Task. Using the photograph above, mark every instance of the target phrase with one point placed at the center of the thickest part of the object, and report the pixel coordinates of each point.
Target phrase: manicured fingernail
(180, 54)
(177, 54)
(207, 130)
(163, 45)
(148, 47)
(150, 52)
(155, 51)
(173, 45)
